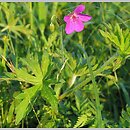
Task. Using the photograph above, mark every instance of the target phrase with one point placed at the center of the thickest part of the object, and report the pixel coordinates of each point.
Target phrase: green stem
(61, 39)
(96, 92)
(11, 43)
(44, 38)
(4, 53)
(54, 8)
(31, 15)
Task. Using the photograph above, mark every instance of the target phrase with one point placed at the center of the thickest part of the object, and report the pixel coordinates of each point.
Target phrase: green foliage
(48, 94)
(42, 18)
(25, 98)
(125, 118)
(50, 79)
(87, 111)
(11, 24)
(82, 120)
(121, 38)
(33, 66)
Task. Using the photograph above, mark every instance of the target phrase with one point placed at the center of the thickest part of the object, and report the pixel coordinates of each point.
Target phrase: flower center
(73, 16)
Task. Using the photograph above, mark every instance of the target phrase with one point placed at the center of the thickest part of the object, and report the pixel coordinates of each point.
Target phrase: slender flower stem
(61, 39)
(62, 48)
(31, 15)
(96, 92)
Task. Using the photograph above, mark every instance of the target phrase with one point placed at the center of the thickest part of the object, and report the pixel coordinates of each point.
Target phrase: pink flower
(74, 21)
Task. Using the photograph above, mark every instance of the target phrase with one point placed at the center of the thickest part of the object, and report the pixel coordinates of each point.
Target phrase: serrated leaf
(24, 76)
(119, 37)
(33, 65)
(82, 120)
(48, 94)
(78, 99)
(23, 107)
(125, 118)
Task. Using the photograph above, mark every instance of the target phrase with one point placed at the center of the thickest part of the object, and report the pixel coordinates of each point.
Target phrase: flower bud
(52, 27)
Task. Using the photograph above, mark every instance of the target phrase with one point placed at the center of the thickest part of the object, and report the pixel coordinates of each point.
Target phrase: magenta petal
(79, 9)
(66, 18)
(79, 26)
(84, 17)
(69, 27)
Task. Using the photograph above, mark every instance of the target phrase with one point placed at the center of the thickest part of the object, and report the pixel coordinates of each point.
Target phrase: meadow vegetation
(49, 79)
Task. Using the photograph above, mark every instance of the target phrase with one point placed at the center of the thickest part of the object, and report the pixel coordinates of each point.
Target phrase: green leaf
(125, 118)
(10, 75)
(42, 16)
(24, 76)
(119, 37)
(58, 89)
(46, 121)
(28, 93)
(83, 120)
(45, 63)
(117, 64)
(126, 93)
(22, 108)
(10, 113)
(22, 29)
(48, 94)
(78, 99)
(33, 65)
(20, 96)
(52, 37)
